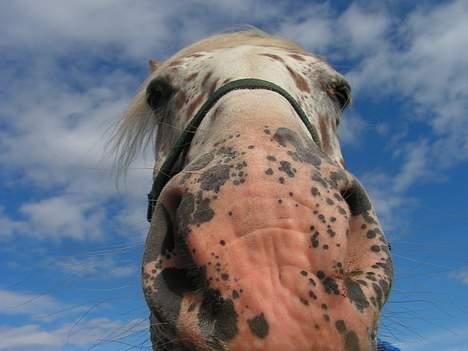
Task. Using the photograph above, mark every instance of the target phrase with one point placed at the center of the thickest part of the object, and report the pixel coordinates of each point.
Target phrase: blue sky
(70, 241)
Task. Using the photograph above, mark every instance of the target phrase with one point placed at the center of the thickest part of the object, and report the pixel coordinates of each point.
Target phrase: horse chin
(268, 313)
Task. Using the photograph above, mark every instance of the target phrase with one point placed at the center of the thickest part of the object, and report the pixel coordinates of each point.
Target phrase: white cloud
(54, 138)
(351, 129)
(362, 31)
(388, 191)
(19, 303)
(312, 28)
(388, 205)
(120, 25)
(8, 226)
(429, 71)
(422, 60)
(102, 266)
(54, 130)
(77, 330)
(414, 168)
(124, 27)
(461, 275)
(454, 339)
(27, 336)
(63, 217)
(382, 129)
(86, 333)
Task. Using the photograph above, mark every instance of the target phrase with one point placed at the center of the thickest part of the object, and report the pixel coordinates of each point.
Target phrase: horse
(260, 238)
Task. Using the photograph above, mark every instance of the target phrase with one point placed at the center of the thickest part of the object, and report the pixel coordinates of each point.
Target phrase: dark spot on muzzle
(287, 168)
(355, 294)
(193, 211)
(258, 326)
(340, 326)
(351, 342)
(304, 150)
(214, 178)
(217, 317)
(201, 162)
(337, 177)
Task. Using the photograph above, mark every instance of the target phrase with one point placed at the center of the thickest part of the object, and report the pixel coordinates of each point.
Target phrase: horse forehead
(261, 60)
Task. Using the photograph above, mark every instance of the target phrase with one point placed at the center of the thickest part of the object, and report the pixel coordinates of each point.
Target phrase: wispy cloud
(352, 128)
(8, 226)
(420, 59)
(88, 24)
(414, 167)
(102, 267)
(451, 340)
(63, 217)
(57, 324)
(461, 275)
(361, 31)
(36, 306)
(88, 332)
(427, 71)
(55, 141)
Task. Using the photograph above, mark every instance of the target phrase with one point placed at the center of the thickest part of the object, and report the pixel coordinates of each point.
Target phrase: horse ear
(153, 65)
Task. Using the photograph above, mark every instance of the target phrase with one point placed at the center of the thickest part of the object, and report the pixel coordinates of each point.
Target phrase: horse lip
(161, 329)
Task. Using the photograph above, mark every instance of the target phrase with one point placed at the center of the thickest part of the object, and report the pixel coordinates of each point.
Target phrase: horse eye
(158, 93)
(342, 94)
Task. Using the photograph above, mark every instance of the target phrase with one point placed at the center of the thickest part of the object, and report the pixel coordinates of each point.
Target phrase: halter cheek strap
(165, 173)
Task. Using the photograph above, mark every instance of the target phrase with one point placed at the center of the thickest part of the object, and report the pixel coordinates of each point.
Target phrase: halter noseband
(186, 137)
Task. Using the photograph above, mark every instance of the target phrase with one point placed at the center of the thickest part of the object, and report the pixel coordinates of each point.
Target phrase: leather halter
(186, 137)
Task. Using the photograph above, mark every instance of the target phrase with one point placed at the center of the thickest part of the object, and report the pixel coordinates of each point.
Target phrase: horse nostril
(356, 198)
(160, 241)
(162, 237)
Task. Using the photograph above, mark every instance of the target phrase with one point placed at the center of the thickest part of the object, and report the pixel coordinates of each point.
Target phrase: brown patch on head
(175, 63)
(274, 57)
(227, 80)
(180, 100)
(219, 110)
(299, 80)
(334, 126)
(191, 77)
(194, 104)
(213, 87)
(324, 134)
(297, 57)
(342, 163)
(205, 80)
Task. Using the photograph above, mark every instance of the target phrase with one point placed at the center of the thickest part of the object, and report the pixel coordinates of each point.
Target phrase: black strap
(186, 137)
